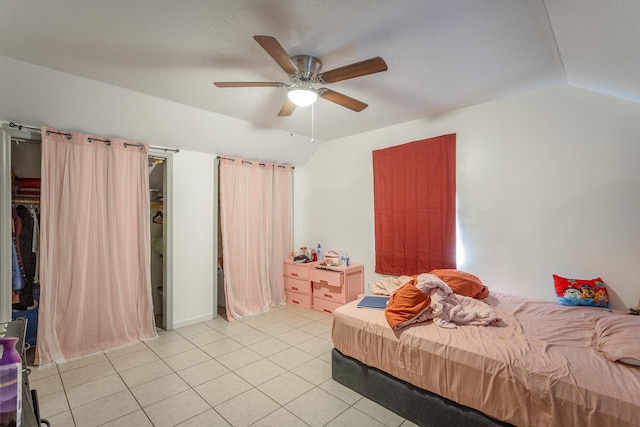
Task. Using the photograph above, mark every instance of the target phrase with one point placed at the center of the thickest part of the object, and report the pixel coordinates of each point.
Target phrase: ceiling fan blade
(287, 108)
(277, 52)
(340, 99)
(362, 68)
(249, 84)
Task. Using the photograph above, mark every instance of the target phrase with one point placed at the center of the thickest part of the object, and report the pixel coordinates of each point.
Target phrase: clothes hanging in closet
(35, 245)
(17, 270)
(25, 225)
(17, 280)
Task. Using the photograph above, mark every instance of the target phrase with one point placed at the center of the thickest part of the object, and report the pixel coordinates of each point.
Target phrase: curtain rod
(251, 162)
(106, 141)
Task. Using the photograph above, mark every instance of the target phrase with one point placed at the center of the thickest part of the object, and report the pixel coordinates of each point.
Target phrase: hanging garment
(25, 243)
(16, 227)
(17, 281)
(158, 218)
(35, 244)
(17, 270)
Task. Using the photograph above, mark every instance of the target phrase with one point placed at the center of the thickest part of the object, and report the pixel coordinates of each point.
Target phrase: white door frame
(167, 218)
(7, 134)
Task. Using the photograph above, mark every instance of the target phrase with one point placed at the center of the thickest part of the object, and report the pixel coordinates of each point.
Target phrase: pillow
(581, 292)
(462, 283)
(388, 285)
(407, 306)
(618, 338)
(430, 283)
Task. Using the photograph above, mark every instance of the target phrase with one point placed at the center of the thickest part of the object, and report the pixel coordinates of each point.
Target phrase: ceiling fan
(304, 71)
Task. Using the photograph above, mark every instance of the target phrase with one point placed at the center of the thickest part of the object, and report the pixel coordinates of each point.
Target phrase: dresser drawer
(297, 285)
(325, 306)
(328, 292)
(328, 277)
(296, 270)
(296, 298)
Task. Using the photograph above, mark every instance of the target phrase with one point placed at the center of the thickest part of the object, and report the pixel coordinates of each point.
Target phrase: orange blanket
(426, 297)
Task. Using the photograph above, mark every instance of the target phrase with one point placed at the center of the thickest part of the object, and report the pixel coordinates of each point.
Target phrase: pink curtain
(414, 197)
(95, 246)
(256, 224)
(282, 228)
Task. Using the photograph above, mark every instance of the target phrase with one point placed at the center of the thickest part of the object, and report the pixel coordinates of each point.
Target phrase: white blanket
(389, 285)
(449, 309)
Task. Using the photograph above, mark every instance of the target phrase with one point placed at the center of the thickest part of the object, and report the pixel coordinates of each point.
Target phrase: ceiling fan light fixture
(302, 95)
(304, 69)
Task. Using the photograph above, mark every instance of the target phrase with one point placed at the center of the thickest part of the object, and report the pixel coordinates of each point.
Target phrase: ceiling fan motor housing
(308, 65)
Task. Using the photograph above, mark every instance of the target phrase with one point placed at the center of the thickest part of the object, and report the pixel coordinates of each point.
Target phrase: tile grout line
(309, 324)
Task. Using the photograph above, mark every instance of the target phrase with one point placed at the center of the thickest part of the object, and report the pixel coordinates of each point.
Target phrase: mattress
(537, 367)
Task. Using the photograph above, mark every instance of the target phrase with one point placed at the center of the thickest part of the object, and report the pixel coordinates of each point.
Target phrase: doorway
(161, 236)
(161, 180)
(29, 143)
(157, 235)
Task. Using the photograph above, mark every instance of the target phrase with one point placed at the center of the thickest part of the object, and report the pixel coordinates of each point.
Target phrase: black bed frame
(419, 406)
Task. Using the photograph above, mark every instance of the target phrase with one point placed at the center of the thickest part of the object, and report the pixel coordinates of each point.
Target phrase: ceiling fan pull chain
(313, 109)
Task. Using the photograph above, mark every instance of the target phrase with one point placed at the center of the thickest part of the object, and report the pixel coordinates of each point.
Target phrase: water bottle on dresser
(344, 258)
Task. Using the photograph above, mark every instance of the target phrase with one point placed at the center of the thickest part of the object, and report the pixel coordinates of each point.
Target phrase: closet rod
(165, 149)
(151, 147)
(25, 201)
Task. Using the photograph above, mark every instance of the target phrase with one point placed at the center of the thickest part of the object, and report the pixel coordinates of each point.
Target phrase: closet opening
(219, 303)
(157, 181)
(22, 231)
(20, 161)
(161, 235)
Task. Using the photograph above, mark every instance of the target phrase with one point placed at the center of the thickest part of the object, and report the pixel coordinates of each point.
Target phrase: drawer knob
(295, 302)
(328, 295)
(294, 274)
(294, 288)
(328, 311)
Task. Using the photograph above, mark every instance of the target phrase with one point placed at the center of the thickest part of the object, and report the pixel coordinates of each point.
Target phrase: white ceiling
(442, 54)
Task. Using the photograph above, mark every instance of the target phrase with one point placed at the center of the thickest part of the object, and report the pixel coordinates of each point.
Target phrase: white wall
(36, 96)
(194, 247)
(547, 183)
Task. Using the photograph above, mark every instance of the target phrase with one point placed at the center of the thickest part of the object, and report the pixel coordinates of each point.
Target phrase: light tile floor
(272, 369)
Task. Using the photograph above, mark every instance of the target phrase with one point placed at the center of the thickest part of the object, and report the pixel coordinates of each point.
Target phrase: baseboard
(192, 321)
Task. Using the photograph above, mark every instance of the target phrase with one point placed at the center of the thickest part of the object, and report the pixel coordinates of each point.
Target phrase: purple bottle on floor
(10, 383)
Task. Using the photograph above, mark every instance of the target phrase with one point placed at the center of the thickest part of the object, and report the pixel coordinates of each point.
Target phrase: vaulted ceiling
(441, 54)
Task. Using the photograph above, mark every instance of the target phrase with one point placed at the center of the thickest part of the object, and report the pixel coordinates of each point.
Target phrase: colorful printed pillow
(462, 283)
(581, 292)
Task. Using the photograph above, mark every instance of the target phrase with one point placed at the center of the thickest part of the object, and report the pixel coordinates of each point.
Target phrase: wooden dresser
(335, 286)
(297, 283)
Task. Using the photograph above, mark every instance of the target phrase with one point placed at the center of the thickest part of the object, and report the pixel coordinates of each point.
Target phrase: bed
(543, 364)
